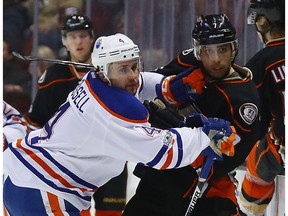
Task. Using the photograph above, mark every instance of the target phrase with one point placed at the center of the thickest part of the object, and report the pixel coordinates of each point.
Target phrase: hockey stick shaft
(205, 170)
(55, 61)
(74, 71)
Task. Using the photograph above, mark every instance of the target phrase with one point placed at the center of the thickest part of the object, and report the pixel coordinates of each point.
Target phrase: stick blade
(25, 58)
(18, 55)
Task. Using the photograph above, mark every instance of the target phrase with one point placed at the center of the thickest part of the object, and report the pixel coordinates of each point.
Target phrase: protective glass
(124, 69)
(216, 51)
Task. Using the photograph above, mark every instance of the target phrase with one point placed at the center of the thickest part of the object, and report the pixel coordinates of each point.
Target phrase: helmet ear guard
(63, 41)
(113, 48)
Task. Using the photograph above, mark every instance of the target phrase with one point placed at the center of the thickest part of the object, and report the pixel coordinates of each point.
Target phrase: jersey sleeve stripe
(54, 204)
(46, 167)
(171, 154)
(168, 160)
(65, 170)
(48, 182)
(180, 147)
(158, 157)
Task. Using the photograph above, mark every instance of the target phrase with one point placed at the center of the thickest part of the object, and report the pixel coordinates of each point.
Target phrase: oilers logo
(98, 43)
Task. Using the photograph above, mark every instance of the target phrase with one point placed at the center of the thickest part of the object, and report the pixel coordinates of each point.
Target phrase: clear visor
(217, 51)
(124, 69)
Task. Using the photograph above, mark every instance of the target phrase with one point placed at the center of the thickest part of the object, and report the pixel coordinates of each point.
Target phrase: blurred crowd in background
(161, 28)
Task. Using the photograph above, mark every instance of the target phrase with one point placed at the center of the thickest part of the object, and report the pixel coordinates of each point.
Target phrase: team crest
(168, 139)
(248, 112)
(98, 43)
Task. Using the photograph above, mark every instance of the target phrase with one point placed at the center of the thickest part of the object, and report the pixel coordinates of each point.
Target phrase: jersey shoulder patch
(248, 112)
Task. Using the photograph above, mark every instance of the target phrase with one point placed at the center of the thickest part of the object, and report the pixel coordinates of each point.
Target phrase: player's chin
(131, 89)
(218, 73)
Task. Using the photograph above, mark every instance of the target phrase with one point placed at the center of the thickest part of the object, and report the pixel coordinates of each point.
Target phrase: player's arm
(164, 149)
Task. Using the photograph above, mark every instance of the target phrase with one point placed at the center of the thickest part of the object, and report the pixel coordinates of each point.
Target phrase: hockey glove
(162, 115)
(221, 133)
(182, 89)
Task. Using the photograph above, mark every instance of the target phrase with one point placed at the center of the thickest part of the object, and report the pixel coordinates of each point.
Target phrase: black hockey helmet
(273, 10)
(213, 29)
(76, 22)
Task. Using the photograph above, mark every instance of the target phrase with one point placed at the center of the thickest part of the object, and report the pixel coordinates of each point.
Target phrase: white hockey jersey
(90, 138)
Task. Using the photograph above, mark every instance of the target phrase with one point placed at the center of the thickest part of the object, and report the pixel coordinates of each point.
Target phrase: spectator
(17, 97)
(52, 15)
(12, 70)
(16, 21)
(46, 53)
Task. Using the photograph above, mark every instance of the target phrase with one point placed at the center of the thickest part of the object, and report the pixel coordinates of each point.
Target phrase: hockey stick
(202, 183)
(74, 71)
(56, 61)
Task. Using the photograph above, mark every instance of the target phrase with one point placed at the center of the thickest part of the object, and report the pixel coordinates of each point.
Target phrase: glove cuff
(165, 91)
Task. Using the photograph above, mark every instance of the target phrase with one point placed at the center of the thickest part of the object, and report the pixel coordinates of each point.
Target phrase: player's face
(79, 44)
(216, 59)
(125, 75)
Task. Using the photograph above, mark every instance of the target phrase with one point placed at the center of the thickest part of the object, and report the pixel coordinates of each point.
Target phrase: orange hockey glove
(184, 88)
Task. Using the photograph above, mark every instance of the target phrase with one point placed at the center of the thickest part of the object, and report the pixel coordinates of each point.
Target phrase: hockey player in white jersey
(100, 127)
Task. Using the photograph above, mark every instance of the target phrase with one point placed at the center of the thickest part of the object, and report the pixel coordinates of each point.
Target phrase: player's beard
(132, 89)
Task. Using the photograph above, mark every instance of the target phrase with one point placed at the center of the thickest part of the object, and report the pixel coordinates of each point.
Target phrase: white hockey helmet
(113, 48)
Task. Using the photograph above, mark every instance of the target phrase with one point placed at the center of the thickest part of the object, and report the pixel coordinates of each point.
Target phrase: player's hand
(221, 133)
(222, 136)
(184, 88)
(162, 115)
